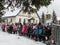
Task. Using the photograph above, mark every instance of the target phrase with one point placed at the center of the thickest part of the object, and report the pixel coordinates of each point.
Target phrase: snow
(5, 5)
(10, 13)
(11, 39)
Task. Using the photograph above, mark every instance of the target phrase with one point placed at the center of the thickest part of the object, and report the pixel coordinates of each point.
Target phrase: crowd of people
(38, 32)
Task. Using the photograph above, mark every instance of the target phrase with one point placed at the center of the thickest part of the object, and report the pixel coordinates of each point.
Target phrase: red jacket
(14, 28)
(24, 30)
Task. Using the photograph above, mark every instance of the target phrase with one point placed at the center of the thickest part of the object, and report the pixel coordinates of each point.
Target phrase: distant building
(58, 18)
(17, 16)
(48, 18)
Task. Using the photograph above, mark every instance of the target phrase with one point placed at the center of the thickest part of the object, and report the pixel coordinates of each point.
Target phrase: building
(15, 16)
(48, 18)
(58, 19)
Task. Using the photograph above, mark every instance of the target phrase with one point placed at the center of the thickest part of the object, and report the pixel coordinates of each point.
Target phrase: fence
(56, 33)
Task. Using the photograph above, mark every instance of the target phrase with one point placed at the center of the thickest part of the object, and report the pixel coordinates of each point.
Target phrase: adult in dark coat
(20, 29)
(29, 31)
(10, 29)
(48, 32)
(3, 27)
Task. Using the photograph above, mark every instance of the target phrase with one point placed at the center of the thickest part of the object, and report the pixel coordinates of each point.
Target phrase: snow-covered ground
(11, 39)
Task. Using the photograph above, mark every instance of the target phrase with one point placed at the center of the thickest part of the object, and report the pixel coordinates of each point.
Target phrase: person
(24, 30)
(7, 28)
(36, 33)
(3, 27)
(44, 29)
(15, 29)
(40, 33)
(29, 30)
(48, 32)
(10, 29)
(19, 29)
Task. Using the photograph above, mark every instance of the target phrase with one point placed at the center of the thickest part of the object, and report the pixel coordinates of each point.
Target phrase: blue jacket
(36, 31)
(40, 31)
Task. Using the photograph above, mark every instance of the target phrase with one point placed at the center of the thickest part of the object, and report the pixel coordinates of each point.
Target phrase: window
(36, 21)
(33, 21)
(7, 20)
(24, 20)
(19, 20)
(48, 17)
(11, 19)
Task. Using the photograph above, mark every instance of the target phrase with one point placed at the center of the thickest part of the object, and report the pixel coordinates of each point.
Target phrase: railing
(56, 33)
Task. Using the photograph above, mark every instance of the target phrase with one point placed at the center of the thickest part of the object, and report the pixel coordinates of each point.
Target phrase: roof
(10, 13)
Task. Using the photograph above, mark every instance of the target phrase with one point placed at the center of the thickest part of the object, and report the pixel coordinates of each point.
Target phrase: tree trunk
(38, 17)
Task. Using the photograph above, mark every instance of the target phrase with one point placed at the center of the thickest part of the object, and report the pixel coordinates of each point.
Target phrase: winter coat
(14, 28)
(24, 30)
(3, 26)
(10, 28)
(29, 30)
(36, 31)
(19, 28)
(40, 31)
(48, 32)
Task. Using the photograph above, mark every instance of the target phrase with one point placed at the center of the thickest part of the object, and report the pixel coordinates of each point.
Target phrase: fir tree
(54, 18)
(43, 18)
(1, 8)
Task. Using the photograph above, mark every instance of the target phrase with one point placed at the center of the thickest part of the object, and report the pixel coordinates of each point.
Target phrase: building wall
(10, 20)
(22, 19)
(48, 18)
(27, 16)
(23, 16)
(58, 21)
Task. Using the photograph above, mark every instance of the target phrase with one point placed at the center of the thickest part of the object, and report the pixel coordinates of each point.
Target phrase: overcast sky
(55, 5)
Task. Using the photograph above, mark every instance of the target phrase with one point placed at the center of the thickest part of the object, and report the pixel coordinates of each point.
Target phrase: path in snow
(11, 39)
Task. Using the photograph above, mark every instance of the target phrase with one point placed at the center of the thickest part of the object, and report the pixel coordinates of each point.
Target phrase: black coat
(48, 32)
